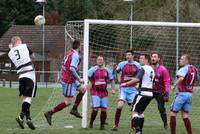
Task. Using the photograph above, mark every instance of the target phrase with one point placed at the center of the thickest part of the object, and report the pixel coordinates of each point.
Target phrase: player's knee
(27, 99)
(82, 89)
(172, 113)
(68, 101)
(185, 115)
(103, 109)
(120, 104)
(141, 115)
(95, 109)
(135, 115)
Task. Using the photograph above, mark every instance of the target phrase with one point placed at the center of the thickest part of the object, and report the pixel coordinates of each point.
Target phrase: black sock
(136, 123)
(74, 107)
(141, 123)
(164, 117)
(25, 108)
(28, 117)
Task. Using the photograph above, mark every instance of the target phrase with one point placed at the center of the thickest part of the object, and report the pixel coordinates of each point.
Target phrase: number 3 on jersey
(17, 54)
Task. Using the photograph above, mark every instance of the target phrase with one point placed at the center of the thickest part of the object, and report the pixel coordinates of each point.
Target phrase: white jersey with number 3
(20, 56)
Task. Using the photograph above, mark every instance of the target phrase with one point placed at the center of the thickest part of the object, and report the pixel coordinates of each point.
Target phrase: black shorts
(140, 103)
(27, 87)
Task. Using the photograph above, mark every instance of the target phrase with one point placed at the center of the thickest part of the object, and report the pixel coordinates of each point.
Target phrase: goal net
(111, 39)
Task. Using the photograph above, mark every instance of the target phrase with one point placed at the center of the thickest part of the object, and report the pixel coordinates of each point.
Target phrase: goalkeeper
(161, 85)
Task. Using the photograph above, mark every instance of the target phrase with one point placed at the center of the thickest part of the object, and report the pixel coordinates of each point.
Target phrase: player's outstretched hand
(113, 65)
(166, 97)
(173, 89)
(113, 91)
(123, 85)
(82, 81)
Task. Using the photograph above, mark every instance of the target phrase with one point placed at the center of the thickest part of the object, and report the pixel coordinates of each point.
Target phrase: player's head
(144, 59)
(185, 59)
(15, 41)
(156, 58)
(76, 45)
(129, 55)
(100, 61)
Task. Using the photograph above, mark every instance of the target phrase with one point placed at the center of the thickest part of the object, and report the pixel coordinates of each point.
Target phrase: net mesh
(111, 41)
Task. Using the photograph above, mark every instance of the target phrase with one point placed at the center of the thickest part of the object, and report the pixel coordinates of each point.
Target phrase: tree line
(58, 12)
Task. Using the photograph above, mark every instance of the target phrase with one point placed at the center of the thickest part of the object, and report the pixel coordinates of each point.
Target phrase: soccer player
(161, 85)
(21, 56)
(145, 78)
(99, 76)
(129, 69)
(186, 77)
(71, 82)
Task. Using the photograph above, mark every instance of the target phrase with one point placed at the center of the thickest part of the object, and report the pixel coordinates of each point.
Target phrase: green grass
(10, 105)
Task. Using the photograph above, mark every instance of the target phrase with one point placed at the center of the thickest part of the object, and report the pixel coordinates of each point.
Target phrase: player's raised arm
(32, 55)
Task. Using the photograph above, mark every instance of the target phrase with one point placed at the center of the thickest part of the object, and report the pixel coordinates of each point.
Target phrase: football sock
(164, 117)
(58, 107)
(78, 100)
(117, 116)
(25, 108)
(141, 122)
(173, 124)
(136, 123)
(28, 114)
(93, 116)
(103, 117)
(188, 125)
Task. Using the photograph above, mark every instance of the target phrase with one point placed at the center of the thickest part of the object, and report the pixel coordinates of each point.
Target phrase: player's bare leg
(120, 104)
(79, 97)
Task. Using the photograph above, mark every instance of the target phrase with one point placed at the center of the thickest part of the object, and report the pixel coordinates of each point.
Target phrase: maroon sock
(58, 107)
(188, 125)
(173, 124)
(78, 100)
(103, 117)
(117, 116)
(93, 116)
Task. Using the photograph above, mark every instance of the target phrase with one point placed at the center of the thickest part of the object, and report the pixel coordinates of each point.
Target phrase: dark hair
(155, 52)
(159, 56)
(76, 44)
(146, 56)
(100, 56)
(130, 51)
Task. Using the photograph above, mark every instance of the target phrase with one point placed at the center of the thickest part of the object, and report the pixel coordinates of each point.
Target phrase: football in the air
(39, 20)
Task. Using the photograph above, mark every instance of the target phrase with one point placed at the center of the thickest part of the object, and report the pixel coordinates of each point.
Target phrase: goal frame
(87, 23)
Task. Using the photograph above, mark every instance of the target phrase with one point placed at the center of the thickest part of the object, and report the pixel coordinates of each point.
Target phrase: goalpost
(89, 22)
(111, 38)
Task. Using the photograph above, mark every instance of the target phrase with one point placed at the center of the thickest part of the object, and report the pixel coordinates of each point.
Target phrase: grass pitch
(10, 105)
